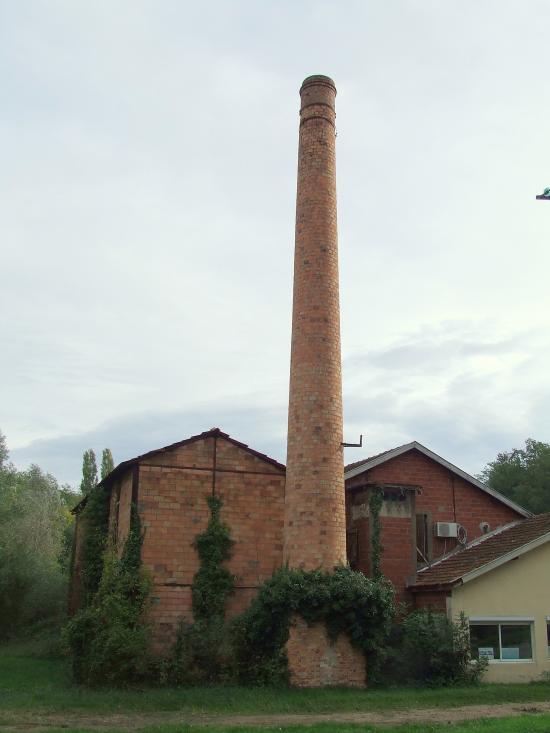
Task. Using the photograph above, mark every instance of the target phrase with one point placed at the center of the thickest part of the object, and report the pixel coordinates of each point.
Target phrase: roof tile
(482, 551)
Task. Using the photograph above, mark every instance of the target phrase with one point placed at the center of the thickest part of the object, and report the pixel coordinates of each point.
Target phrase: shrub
(109, 638)
(202, 655)
(345, 600)
(428, 648)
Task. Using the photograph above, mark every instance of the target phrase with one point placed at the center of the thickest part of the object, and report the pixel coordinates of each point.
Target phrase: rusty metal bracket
(353, 445)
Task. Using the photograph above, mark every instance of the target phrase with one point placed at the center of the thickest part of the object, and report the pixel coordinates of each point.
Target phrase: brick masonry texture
(433, 601)
(172, 490)
(172, 494)
(316, 661)
(314, 503)
(443, 496)
(485, 550)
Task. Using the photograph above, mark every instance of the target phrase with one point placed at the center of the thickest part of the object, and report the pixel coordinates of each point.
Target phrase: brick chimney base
(316, 661)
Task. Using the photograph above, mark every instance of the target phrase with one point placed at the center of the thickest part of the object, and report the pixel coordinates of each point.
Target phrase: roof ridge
(212, 433)
(361, 461)
(354, 469)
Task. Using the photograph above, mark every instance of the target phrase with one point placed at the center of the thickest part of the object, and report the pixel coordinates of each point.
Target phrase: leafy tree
(89, 472)
(4, 453)
(107, 463)
(523, 475)
(34, 556)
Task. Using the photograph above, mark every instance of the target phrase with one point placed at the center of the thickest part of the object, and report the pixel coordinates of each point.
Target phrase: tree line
(523, 475)
(36, 541)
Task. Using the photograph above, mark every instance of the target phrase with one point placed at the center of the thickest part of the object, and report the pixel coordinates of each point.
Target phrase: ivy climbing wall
(172, 491)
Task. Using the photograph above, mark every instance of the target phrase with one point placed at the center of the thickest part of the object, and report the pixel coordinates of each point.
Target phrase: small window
(505, 642)
(548, 635)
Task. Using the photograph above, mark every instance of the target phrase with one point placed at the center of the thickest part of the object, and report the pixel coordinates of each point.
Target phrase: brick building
(170, 485)
(430, 509)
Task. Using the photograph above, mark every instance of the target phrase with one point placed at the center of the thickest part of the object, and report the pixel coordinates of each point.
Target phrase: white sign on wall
(486, 652)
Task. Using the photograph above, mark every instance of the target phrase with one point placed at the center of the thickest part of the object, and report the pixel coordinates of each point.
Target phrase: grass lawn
(524, 724)
(27, 683)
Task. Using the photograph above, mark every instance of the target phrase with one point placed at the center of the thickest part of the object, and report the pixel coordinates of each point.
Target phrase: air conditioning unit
(446, 529)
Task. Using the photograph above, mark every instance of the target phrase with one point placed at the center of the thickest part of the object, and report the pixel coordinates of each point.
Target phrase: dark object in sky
(545, 195)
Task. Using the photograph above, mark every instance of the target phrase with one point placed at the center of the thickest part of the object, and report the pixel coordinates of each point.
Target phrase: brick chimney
(315, 523)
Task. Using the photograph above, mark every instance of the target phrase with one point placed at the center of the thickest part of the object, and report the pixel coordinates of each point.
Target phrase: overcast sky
(148, 156)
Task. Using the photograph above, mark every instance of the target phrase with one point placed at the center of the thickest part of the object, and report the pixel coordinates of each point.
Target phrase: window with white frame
(502, 640)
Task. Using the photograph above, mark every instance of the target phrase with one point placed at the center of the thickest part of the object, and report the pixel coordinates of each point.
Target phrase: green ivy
(109, 638)
(202, 653)
(213, 583)
(375, 505)
(94, 520)
(345, 600)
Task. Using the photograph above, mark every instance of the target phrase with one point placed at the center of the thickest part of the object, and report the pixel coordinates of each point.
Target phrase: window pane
(516, 641)
(548, 637)
(484, 641)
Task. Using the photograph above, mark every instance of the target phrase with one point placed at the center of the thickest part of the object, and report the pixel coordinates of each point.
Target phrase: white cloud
(147, 181)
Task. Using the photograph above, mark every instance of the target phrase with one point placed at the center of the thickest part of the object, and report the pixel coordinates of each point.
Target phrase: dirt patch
(36, 723)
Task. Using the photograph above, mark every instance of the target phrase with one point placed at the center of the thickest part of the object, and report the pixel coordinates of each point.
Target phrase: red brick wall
(444, 496)
(172, 492)
(124, 507)
(314, 660)
(315, 521)
(433, 600)
(397, 561)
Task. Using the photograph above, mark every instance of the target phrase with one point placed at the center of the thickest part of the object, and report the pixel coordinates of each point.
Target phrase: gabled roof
(354, 469)
(212, 433)
(485, 553)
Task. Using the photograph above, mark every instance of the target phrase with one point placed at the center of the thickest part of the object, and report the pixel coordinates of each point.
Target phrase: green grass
(523, 724)
(35, 684)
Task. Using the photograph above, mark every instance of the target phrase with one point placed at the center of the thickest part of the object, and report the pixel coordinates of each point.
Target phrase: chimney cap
(318, 79)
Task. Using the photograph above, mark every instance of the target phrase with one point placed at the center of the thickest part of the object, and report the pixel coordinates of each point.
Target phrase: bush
(109, 638)
(430, 649)
(202, 655)
(345, 600)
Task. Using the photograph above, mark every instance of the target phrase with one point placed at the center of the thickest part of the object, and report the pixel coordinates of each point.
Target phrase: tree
(89, 472)
(107, 463)
(4, 453)
(522, 475)
(35, 519)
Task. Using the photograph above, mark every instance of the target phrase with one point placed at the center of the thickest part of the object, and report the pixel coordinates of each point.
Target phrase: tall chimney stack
(315, 523)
